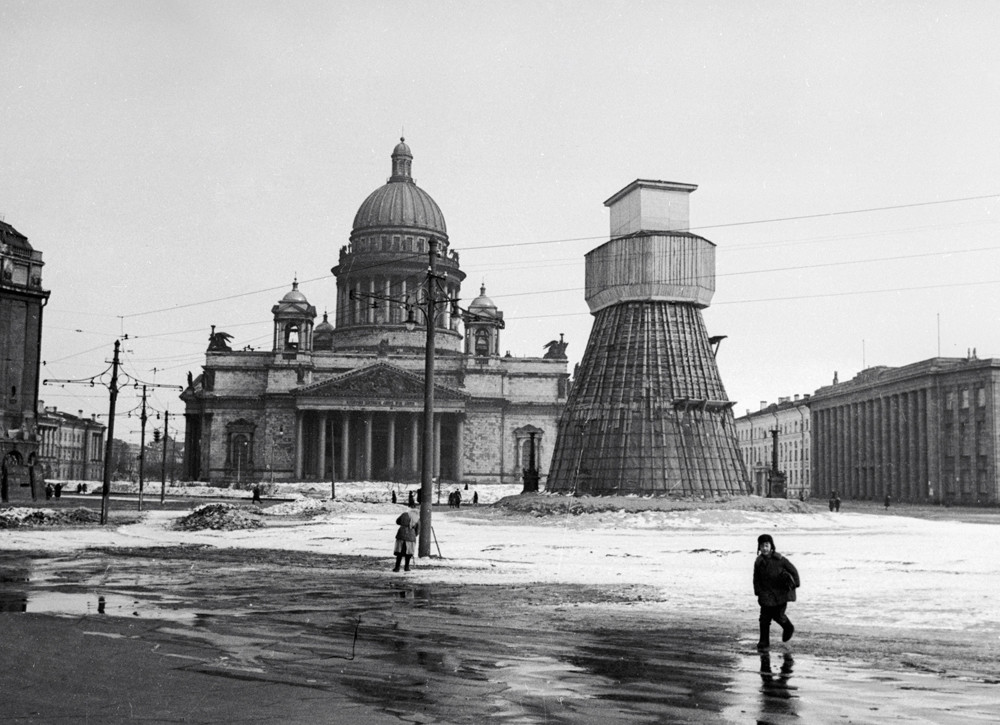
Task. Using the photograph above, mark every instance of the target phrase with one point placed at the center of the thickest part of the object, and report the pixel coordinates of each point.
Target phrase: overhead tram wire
(508, 245)
(570, 239)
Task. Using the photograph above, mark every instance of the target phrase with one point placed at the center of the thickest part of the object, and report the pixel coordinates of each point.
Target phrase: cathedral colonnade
(359, 445)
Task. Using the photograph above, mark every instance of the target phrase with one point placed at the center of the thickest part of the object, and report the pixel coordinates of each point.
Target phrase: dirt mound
(555, 504)
(220, 517)
(12, 518)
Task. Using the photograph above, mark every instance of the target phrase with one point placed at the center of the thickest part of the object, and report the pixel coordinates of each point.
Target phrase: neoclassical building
(923, 433)
(344, 400)
(790, 418)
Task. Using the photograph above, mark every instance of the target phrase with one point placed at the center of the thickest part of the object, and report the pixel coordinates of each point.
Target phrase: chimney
(763, 404)
(796, 397)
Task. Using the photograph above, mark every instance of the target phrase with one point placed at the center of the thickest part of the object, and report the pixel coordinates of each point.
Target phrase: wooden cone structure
(647, 413)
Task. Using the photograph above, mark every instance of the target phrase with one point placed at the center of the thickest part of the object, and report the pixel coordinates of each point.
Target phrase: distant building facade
(926, 432)
(343, 400)
(71, 447)
(791, 418)
(22, 300)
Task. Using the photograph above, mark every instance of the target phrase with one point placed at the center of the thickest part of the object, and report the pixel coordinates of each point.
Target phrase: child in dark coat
(775, 579)
(406, 538)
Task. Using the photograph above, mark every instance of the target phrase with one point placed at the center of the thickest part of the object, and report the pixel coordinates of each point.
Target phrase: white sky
(164, 154)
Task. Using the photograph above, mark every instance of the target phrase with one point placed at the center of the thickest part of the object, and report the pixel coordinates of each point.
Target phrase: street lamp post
(427, 464)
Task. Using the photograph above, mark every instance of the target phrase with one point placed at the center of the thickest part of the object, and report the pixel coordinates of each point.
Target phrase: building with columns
(344, 400)
(71, 447)
(925, 432)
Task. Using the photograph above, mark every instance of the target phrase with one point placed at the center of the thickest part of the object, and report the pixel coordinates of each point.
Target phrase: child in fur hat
(775, 579)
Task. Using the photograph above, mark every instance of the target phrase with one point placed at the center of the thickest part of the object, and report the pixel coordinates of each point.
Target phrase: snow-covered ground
(858, 569)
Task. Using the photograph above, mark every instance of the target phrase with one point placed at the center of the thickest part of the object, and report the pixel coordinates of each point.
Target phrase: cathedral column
(299, 425)
(390, 452)
(368, 447)
(459, 440)
(414, 442)
(345, 445)
(322, 447)
(437, 446)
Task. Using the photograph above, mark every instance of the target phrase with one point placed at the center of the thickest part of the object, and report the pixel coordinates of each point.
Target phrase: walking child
(775, 580)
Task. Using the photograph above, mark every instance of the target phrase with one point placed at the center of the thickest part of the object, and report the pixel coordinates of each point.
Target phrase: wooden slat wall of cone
(648, 413)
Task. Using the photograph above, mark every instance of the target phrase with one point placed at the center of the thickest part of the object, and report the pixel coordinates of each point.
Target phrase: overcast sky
(179, 163)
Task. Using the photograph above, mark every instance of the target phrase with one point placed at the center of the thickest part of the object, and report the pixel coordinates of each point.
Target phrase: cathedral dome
(400, 202)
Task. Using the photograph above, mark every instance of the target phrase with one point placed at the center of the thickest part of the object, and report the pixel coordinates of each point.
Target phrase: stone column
(459, 455)
(437, 446)
(345, 445)
(368, 447)
(322, 447)
(415, 441)
(390, 452)
(299, 425)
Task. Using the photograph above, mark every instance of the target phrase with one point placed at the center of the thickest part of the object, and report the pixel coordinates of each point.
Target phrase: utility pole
(429, 308)
(142, 445)
(427, 467)
(166, 426)
(113, 388)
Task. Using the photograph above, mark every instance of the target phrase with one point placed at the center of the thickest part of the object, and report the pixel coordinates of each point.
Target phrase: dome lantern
(293, 322)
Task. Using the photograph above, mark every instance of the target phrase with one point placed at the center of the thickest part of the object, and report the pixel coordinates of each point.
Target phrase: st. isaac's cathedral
(344, 401)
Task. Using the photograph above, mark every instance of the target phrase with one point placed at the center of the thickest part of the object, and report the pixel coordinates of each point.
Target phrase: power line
(508, 245)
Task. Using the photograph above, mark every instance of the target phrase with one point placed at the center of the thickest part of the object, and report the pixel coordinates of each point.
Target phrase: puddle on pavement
(80, 604)
(445, 650)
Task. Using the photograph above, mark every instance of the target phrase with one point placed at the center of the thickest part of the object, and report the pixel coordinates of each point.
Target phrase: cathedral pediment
(377, 382)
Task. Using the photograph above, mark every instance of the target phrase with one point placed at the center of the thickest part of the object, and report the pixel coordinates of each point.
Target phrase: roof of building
(400, 202)
(9, 235)
(482, 303)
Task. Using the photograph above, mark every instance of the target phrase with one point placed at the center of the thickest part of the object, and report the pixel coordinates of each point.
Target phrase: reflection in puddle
(79, 604)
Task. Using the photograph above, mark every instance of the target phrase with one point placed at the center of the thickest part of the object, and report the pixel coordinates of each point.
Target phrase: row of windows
(788, 428)
(391, 243)
(762, 454)
(952, 396)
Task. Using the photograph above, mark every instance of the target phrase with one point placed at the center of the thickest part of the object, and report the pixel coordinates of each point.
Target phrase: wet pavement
(192, 634)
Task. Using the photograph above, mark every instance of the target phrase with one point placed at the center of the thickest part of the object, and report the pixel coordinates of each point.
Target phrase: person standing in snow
(775, 579)
(406, 538)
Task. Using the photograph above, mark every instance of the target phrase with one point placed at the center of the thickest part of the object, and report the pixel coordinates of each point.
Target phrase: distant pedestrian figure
(833, 500)
(256, 493)
(48, 491)
(887, 500)
(394, 497)
(775, 580)
(411, 503)
(406, 538)
(836, 503)
(458, 498)
(475, 497)
(58, 490)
